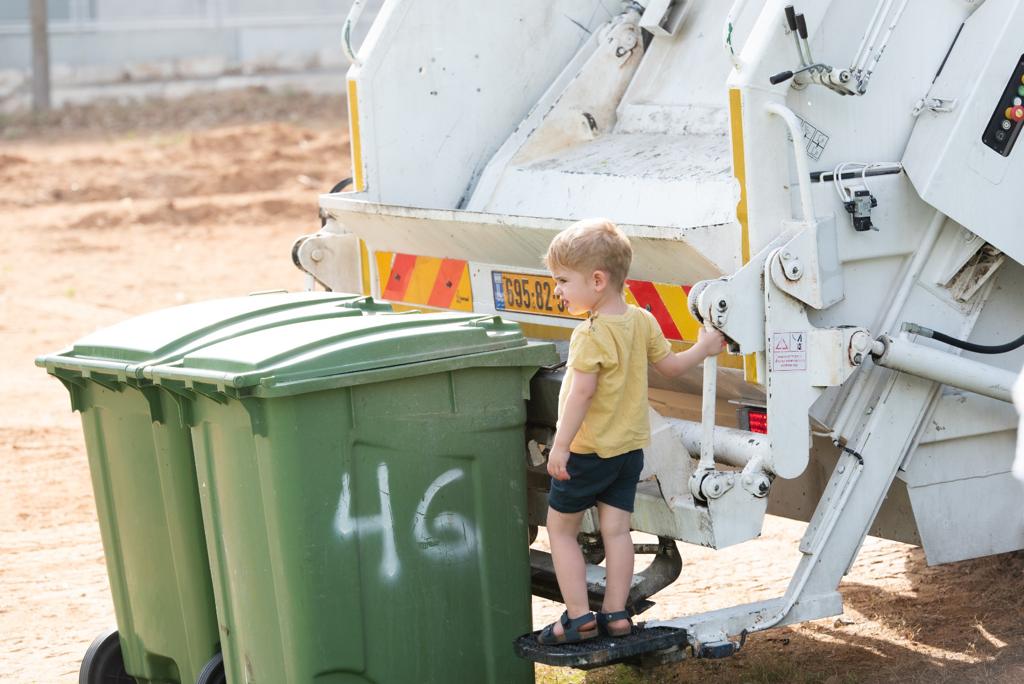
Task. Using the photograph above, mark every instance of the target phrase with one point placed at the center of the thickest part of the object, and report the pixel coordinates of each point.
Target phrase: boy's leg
(618, 560)
(570, 568)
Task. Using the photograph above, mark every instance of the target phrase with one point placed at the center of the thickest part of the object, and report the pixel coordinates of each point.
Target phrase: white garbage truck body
(828, 184)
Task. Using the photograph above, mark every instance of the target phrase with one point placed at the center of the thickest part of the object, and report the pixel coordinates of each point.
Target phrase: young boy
(603, 425)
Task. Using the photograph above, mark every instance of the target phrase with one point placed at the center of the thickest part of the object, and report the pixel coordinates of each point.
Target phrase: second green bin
(363, 493)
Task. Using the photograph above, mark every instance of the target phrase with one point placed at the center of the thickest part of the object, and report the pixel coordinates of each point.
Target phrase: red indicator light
(1015, 113)
(758, 421)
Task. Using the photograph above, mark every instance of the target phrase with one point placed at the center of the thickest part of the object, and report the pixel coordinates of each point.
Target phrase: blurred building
(109, 41)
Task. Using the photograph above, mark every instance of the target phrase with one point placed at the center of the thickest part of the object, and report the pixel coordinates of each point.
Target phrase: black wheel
(103, 664)
(213, 672)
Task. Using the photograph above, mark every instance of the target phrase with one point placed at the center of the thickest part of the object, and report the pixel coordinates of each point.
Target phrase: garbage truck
(832, 184)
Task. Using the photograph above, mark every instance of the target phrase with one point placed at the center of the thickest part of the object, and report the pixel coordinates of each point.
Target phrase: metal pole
(797, 134)
(732, 447)
(351, 20)
(922, 253)
(40, 57)
(707, 442)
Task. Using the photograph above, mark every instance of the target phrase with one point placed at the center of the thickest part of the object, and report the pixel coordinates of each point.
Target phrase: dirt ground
(108, 211)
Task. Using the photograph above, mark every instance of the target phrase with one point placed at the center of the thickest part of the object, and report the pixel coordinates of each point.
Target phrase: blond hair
(592, 245)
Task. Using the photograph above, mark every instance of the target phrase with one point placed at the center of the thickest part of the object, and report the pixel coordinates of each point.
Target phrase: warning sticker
(789, 351)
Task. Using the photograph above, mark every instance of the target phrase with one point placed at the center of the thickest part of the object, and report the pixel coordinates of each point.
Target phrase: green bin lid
(168, 334)
(311, 355)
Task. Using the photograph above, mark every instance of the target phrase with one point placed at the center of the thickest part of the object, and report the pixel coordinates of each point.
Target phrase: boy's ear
(600, 280)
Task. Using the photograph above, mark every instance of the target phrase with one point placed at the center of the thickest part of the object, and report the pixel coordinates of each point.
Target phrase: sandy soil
(107, 212)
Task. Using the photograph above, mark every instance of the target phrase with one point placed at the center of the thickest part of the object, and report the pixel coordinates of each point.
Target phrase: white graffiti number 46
(447, 535)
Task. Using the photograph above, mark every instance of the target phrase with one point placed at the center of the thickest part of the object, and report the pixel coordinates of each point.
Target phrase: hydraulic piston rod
(924, 362)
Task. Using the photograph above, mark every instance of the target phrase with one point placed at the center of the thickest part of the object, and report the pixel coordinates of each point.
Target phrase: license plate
(526, 293)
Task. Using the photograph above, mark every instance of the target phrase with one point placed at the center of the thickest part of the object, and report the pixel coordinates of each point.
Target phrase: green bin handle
(83, 366)
(189, 376)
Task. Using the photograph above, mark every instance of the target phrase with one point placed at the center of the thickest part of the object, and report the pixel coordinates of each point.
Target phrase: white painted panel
(982, 455)
(643, 178)
(660, 254)
(690, 67)
(946, 159)
(969, 518)
(874, 126)
(443, 85)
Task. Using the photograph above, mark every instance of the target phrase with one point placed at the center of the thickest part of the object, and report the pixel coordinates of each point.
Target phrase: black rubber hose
(341, 185)
(915, 329)
(338, 187)
(979, 348)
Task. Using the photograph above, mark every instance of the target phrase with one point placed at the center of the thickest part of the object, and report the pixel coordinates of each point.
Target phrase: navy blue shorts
(591, 479)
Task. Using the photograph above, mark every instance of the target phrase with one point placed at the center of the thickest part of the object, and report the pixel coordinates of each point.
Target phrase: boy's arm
(576, 404)
(708, 343)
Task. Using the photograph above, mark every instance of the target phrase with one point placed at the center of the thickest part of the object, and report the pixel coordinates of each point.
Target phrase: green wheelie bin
(363, 494)
(143, 475)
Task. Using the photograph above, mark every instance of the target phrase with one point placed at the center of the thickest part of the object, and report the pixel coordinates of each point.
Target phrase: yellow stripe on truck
(353, 127)
(364, 267)
(740, 170)
(383, 270)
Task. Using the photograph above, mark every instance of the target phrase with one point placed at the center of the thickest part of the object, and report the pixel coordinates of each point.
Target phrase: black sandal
(571, 630)
(604, 618)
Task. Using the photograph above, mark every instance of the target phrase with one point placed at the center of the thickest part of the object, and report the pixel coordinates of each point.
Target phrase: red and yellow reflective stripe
(667, 302)
(648, 297)
(430, 281)
(399, 277)
(445, 284)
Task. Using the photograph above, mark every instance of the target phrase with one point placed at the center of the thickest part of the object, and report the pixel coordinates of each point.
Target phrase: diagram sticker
(789, 351)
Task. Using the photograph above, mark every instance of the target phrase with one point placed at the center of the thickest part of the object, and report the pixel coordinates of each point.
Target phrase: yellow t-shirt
(618, 348)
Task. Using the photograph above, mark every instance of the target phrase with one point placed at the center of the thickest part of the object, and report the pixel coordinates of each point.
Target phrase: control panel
(1008, 119)
(968, 163)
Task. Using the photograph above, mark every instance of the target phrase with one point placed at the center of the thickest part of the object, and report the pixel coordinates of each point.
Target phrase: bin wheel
(103, 663)
(213, 672)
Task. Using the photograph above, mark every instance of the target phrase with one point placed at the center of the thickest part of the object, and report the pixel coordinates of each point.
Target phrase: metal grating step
(601, 651)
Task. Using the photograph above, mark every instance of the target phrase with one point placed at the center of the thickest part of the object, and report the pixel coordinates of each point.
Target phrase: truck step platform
(666, 643)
